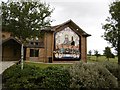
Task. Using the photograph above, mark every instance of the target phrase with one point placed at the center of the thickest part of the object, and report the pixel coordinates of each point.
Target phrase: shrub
(80, 75)
(32, 77)
(85, 75)
(16, 78)
(112, 67)
(56, 77)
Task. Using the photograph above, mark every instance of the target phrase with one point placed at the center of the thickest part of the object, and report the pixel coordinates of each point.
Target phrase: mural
(66, 44)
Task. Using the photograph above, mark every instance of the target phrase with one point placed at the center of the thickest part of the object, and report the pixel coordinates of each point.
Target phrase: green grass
(45, 65)
(101, 59)
(89, 59)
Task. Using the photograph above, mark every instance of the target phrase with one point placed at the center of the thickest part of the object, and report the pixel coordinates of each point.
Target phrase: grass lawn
(44, 65)
(89, 59)
(101, 59)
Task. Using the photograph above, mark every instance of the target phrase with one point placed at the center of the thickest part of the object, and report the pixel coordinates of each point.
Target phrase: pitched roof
(72, 25)
(11, 38)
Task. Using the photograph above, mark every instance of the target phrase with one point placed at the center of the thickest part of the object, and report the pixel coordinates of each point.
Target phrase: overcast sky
(87, 14)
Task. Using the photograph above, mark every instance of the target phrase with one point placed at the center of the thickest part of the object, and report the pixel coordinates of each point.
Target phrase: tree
(112, 27)
(108, 53)
(90, 53)
(96, 54)
(25, 20)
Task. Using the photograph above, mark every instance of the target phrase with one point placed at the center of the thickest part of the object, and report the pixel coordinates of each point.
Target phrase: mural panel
(67, 44)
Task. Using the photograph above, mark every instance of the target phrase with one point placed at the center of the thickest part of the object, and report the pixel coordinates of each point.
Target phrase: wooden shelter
(11, 49)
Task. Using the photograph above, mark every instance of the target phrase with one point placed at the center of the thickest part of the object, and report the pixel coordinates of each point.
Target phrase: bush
(85, 75)
(80, 75)
(16, 78)
(56, 77)
(32, 77)
(112, 67)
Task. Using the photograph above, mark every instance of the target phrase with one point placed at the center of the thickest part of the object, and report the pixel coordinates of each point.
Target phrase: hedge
(33, 77)
(112, 67)
(91, 76)
(79, 75)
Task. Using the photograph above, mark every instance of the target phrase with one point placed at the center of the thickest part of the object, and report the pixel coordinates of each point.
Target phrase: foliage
(15, 78)
(45, 65)
(25, 19)
(108, 53)
(80, 75)
(32, 77)
(112, 27)
(91, 76)
(112, 67)
(90, 52)
(96, 54)
(56, 77)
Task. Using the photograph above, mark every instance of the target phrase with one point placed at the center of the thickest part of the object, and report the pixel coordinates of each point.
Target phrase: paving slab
(5, 64)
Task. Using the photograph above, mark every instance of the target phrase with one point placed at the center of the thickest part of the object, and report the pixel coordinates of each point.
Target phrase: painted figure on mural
(72, 42)
(67, 44)
(66, 40)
